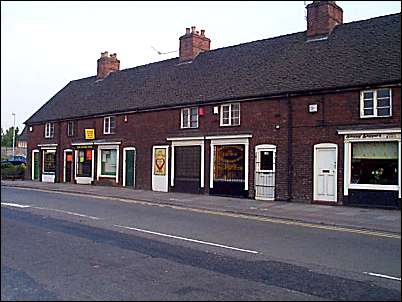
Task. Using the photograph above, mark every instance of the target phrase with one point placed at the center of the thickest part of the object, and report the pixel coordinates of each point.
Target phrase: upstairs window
(189, 117)
(109, 125)
(230, 115)
(70, 128)
(376, 103)
(49, 130)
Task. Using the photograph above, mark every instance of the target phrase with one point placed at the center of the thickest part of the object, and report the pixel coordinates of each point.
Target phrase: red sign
(69, 157)
(201, 111)
(88, 154)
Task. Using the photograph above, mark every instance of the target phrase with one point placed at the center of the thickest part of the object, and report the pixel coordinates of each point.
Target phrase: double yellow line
(235, 215)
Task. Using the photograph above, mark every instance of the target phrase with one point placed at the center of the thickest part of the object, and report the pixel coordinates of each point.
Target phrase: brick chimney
(107, 64)
(192, 43)
(322, 17)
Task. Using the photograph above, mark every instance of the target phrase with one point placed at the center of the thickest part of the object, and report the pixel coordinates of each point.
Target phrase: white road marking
(188, 239)
(68, 212)
(382, 276)
(15, 205)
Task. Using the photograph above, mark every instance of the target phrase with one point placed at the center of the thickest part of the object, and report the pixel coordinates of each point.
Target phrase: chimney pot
(202, 32)
(187, 30)
(193, 29)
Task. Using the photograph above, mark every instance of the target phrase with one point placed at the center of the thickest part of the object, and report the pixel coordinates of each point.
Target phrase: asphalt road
(73, 247)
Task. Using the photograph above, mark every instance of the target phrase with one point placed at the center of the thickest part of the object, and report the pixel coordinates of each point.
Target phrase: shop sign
(83, 147)
(160, 161)
(373, 136)
(88, 154)
(89, 133)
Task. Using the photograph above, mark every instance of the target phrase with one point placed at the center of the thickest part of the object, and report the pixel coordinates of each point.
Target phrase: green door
(130, 167)
(36, 165)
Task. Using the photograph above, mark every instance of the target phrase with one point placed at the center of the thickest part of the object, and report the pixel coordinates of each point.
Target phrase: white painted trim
(84, 179)
(183, 143)
(374, 187)
(390, 130)
(124, 164)
(230, 114)
(106, 143)
(325, 146)
(83, 144)
(33, 164)
(346, 171)
(230, 140)
(235, 136)
(64, 163)
(99, 162)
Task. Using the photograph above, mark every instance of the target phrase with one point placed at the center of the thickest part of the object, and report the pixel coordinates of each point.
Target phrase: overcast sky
(44, 45)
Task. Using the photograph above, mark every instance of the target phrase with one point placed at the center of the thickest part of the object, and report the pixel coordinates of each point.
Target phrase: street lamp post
(14, 137)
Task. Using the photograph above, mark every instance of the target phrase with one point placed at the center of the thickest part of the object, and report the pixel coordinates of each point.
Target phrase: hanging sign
(89, 133)
(160, 161)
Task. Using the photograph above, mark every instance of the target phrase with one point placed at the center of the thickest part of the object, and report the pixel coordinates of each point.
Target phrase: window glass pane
(235, 120)
(383, 93)
(194, 117)
(383, 112)
(368, 103)
(375, 150)
(235, 107)
(368, 111)
(84, 158)
(229, 163)
(368, 95)
(108, 162)
(184, 113)
(383, 103)
(106, 125)
(49, 162)
(112, 123)
(266, 160)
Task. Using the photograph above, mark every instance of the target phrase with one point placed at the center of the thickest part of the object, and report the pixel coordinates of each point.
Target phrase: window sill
(374, 187)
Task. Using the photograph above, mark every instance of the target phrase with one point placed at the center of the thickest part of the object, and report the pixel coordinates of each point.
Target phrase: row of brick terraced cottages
(312, 116)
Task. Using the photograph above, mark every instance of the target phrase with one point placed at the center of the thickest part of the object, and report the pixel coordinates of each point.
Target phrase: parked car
(16, 160)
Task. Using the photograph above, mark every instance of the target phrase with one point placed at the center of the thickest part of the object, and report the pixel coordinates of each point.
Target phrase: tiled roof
(355, 54)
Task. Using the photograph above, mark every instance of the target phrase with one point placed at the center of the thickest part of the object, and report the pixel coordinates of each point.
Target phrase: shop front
(49, 162)
(372, 172)
(229, 165)
(84, 163)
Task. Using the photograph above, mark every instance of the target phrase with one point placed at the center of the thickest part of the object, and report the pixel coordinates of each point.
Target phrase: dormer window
(49, 130)
(189, 118)
(376, 103)
(109, 125)
(230, 114)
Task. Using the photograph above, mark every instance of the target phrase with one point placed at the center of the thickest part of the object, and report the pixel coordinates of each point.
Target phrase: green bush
(9, 171)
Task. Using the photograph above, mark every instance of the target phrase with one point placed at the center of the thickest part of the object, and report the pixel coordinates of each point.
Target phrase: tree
(7, 137)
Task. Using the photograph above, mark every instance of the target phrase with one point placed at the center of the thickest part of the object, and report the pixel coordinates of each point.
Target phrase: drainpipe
(290, 148)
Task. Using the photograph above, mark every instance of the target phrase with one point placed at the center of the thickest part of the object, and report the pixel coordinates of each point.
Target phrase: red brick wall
(259, 118)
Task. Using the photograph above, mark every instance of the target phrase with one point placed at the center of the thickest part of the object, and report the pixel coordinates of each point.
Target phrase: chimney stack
(107, 64)
(192, 43)
(322, 17)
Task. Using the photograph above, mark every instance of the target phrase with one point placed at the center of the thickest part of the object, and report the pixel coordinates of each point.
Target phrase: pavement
(382, 220)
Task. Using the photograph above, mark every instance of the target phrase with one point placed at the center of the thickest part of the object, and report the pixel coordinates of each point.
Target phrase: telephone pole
(14, 137)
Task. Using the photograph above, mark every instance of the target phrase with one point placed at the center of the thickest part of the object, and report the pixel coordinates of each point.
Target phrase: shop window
(376, 103)
(70, 128)
(189, 117)
(49, 130)
(229, 163)
(49, 161)
(109, 125)
(108, 162)
(230, 115)
(375, 163)
(266, 160)
(84, 167)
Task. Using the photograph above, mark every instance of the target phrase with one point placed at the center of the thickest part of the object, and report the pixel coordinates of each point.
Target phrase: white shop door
(325, 171)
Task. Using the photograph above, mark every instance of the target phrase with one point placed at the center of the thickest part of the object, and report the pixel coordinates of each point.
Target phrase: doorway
(265, 158)
(325, 172)
(160, 168)
(68, 155)
(35, 165)
(129, 155)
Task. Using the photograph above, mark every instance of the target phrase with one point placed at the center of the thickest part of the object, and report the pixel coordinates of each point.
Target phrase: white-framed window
(49, 130)
(230, 114)
(189, 117)
(376, 103)
(109, 125)
(70, 128)
(108, 162)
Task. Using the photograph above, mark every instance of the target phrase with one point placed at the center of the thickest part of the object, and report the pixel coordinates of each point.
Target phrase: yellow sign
(89, 133)
(160, 161)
